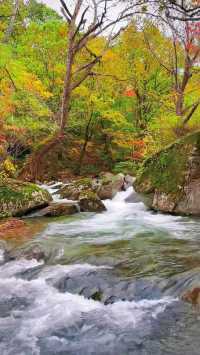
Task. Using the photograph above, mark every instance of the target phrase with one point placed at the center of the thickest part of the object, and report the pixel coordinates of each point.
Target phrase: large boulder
(109, 185)
(90, 202)
(106, 186)
(169, 181)
(73, 190)
(56, 209)
(85, 191)
(128, 181)
(31, 252)
(17, 198)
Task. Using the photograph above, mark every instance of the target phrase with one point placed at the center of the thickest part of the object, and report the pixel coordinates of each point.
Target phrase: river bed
(109, 283)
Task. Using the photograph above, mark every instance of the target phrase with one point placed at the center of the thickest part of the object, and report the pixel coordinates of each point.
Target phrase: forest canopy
(82, 91)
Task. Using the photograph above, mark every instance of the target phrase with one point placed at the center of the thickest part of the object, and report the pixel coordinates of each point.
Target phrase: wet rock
(58, 209)
(128, 181)
(84, 190)
(102, 285)
(110, 185)
(170, 179)
(50, 183)
(106, 186)
(133, 198)
(34, 252)
(17, 198)
(7, 306)
(163, 201)
(57, 186)
(2, 257)
(192, 296)
(73, 190)
(189, 204)
(90, 202)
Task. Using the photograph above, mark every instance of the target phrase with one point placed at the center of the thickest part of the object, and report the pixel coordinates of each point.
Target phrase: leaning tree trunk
(87, 138)
(33, 169)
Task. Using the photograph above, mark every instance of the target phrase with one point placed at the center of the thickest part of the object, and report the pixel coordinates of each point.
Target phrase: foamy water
(40, 314)
(122, 221)
(35, 311)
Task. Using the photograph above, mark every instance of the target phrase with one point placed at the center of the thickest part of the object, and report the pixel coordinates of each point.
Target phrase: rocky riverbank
(19, 198)
(169, 181)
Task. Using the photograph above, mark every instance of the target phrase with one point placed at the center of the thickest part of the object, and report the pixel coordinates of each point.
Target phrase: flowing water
(106, 283)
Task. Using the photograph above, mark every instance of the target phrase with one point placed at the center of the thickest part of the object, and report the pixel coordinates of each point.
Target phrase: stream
(108, 283)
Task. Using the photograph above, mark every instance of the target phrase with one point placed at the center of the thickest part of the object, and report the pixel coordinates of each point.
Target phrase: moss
(17, 197)
(107, 179)
(97, 296)
(166, 170)
(126, 167)
(89, 195)
(74, 189)
(14, 191)
(85, 182)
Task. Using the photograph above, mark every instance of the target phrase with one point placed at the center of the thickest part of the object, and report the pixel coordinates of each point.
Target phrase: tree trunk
(88, 136)
(179, 103)
(82, 156)
(32, 170)
(180, 88)
(189, 116)
(66, 97)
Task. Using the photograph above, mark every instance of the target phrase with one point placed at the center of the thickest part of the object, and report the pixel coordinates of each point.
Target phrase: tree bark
(179, 103)
(87, 138)
(189, 116)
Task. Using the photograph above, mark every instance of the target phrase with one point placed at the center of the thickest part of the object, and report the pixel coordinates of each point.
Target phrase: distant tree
(12, 20)
(85, 22)
(81, 31)
(39, 12)
(181, 64)
(181, 10)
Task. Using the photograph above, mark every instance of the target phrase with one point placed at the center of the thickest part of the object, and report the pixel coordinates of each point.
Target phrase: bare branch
(65, 9)
(82, 21)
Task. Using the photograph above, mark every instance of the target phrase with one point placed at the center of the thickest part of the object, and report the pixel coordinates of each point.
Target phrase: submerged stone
(56, 209)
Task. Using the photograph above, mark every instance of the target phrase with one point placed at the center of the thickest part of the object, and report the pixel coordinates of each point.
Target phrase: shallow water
(109, 283)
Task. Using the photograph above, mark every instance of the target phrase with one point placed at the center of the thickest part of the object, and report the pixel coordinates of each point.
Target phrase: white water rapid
(96, 292)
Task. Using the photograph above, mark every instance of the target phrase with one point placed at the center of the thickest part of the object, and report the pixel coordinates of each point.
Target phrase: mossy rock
(90, 202)
(17, 198)
(110, 185)
(73, 190)
(58, 209)
(166, 177)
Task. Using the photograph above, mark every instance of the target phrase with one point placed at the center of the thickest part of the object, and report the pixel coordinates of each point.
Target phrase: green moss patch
(166, 170)
(17, 197)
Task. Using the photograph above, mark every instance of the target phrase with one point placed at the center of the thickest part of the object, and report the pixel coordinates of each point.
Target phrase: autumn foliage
(135, 99)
